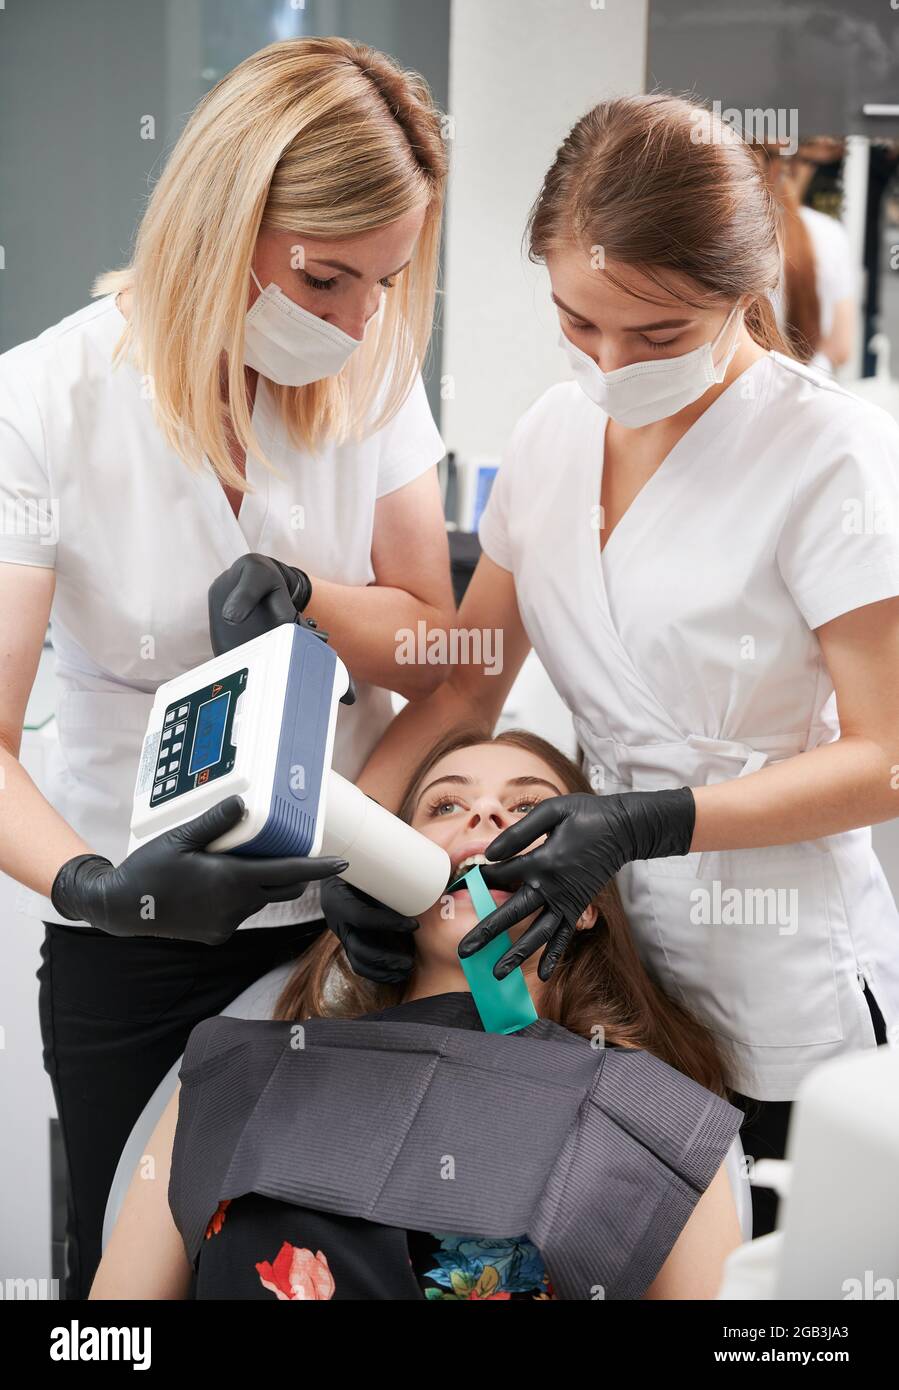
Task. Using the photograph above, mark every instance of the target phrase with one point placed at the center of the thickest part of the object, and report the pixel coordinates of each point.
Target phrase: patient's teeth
(469, 862)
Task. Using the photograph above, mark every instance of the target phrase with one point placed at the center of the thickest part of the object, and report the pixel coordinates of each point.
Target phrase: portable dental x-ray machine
(259, 721)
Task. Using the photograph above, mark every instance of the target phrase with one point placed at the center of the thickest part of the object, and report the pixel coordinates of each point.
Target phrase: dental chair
(258, 1001)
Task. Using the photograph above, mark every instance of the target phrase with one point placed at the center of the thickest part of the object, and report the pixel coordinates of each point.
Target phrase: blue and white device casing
(268, 709)
(259, 722)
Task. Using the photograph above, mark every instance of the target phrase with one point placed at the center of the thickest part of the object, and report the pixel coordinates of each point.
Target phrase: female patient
(467, 790)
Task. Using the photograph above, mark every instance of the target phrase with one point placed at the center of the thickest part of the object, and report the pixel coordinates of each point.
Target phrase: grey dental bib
(414, 1117)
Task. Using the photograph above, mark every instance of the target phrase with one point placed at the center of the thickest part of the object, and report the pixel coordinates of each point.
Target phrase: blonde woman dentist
(684, 535)
(244, 397)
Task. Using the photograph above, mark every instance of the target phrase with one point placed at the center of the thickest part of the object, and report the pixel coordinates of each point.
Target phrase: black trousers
(763, 1133)
(115, 1015)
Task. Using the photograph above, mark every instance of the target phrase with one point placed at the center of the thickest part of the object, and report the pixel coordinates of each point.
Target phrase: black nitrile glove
(377, 940)
(255, 595)
(174, 887)
(589, 838)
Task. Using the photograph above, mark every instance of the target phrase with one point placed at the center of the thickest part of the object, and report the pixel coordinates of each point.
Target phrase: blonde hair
(320, 136)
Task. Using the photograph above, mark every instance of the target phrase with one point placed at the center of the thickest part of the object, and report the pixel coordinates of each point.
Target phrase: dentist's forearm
(362, 623)
(34, 839)
(840, 786)
(412, 734)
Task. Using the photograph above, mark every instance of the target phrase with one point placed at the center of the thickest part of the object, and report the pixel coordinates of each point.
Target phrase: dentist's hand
(589, 838)
(377, 940)
(255, 595)
(173, 887)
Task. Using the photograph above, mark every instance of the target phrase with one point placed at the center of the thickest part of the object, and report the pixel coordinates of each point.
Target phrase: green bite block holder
(504, 1005)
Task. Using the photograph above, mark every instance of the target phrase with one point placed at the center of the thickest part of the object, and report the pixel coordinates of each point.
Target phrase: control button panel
(196, 743)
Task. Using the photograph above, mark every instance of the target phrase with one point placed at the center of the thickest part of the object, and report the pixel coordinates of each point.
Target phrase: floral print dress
(260, 1248)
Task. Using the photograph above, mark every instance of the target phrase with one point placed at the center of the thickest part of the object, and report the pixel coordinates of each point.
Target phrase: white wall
(521, 73)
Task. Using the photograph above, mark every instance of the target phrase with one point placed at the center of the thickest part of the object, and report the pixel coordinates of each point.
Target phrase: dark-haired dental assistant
(683, 535)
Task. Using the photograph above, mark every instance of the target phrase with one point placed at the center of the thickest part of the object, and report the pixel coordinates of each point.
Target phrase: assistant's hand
(255, 595)
(589, 838)
(174, 887)
(377, 940)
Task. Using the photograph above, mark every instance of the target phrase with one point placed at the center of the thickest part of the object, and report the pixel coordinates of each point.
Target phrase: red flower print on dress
(216, 1221)
(297, 1274)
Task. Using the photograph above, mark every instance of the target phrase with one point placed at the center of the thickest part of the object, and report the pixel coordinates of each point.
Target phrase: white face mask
(290, 346)
(644, 392)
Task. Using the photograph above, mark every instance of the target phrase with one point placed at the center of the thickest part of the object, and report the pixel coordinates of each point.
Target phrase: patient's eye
(526, 804)
(443, 805)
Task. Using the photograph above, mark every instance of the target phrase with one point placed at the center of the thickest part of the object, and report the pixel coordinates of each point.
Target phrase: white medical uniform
(136, 539)
(686, 655)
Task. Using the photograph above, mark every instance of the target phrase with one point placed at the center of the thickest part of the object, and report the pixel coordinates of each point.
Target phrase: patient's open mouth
(469, 861)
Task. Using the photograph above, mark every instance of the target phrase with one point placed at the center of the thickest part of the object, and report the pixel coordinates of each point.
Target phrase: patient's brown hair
(599, 980)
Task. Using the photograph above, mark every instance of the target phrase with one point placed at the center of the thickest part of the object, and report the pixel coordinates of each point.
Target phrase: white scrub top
(136, 539)
(686, 655)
